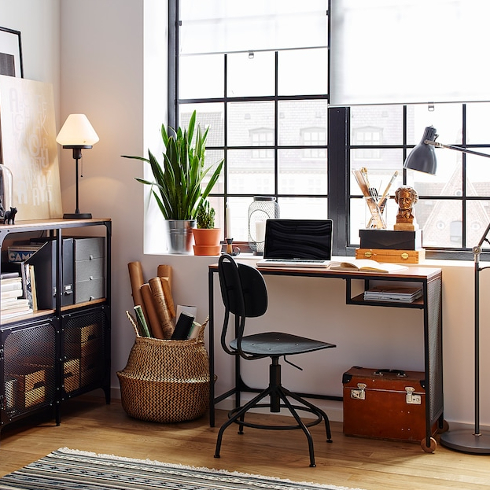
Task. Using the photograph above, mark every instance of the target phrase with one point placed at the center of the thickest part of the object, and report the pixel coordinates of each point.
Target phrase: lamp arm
(458, 148)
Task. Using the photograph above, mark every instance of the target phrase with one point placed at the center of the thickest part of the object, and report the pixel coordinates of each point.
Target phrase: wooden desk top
(411, 273)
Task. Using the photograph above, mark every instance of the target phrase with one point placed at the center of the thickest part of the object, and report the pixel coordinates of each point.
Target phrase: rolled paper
(168, 296)
(136, 278)
(161, 307)
(165, 271)
(154, 321)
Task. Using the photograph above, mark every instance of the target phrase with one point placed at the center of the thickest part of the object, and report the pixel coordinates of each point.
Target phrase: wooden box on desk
(395, 256)
(384, 404)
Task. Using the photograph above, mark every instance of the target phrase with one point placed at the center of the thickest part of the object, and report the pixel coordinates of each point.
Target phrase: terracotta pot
(207, 241)
(207, 250)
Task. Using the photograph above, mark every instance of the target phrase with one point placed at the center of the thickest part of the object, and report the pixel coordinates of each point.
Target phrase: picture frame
(11, 53)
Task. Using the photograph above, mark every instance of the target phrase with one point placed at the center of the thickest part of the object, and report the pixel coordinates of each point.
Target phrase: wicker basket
(166, 380)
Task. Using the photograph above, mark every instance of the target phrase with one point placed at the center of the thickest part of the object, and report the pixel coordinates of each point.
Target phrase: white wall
(103, 74)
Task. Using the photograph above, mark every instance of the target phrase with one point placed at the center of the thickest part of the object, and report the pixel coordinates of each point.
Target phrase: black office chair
(244, 295)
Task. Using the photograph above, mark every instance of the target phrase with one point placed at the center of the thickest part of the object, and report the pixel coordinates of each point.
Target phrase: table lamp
(77, 133)
(423, 159)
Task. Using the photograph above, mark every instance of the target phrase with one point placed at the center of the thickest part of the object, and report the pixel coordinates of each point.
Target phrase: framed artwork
(28, 147)
(10, 53)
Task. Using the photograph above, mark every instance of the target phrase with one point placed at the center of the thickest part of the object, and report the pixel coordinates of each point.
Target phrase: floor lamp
(423, 159)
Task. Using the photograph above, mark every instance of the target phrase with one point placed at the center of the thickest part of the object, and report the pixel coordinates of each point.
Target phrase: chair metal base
(277, 394)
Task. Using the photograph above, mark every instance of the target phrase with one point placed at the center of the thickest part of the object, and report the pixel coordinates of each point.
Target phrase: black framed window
(274, 128)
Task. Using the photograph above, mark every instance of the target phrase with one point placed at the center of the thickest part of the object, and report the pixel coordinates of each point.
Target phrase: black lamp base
(467, 442)
(77, 216)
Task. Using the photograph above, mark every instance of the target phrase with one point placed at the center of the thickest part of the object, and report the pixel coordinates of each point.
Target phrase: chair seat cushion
(278, 344)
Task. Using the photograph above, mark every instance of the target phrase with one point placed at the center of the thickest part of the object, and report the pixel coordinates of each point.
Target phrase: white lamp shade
(77, 131)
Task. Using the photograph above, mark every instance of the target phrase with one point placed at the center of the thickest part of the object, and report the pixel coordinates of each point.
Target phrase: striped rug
(70, 469)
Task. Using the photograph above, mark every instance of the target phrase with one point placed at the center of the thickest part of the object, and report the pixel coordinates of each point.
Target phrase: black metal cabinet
(55, 354)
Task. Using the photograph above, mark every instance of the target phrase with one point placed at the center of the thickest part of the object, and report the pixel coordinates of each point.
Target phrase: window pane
(477, 117)
(478, 217)
(211, 159)
(303, 72)
(192, 67)
(379, 171)
(246, 117)
(302, 207)
(301, 175)
(387, 121)
(238, 208)
(246, 176)
(478, 174)
(251, 74)
(298, 119)
(208, 116)
(441, 221)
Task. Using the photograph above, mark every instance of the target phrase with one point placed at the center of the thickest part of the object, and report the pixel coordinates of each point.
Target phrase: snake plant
(177, 184)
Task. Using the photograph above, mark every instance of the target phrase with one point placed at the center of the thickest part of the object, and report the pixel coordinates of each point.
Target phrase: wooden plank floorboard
(89, 424)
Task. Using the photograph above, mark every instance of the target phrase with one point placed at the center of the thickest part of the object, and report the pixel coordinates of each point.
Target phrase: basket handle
(133, 323)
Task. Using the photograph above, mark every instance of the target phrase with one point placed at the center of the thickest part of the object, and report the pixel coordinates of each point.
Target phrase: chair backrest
(244, 293)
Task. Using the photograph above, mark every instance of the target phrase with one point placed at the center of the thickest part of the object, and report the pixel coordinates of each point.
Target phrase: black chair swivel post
(244, 294)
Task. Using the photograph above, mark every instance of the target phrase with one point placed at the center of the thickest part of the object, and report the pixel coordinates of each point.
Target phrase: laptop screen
(309, 239)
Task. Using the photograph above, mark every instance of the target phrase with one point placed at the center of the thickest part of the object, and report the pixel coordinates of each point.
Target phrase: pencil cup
(377, 210)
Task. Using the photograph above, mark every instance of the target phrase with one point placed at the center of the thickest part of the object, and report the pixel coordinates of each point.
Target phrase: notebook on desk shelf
(297, 243)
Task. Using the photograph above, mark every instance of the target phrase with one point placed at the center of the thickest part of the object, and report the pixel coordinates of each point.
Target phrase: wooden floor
(89, 424)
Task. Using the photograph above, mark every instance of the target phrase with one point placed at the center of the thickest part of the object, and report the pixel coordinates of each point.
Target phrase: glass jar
(260, 210)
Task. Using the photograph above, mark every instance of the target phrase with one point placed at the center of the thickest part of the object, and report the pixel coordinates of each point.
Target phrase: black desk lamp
(77, 133)
(423, 159)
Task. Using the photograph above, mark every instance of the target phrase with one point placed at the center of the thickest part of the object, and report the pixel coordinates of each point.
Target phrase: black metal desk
(431, 303)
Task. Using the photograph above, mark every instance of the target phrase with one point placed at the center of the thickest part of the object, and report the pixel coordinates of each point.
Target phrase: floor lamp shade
(77, 133)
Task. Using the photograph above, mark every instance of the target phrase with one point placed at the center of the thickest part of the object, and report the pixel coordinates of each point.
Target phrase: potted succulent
(177, 185)
(206, 236)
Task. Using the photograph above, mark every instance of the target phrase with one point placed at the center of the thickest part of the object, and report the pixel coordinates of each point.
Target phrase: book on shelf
(20, 253)
(13, 303)
(8, 314)
(8, 275)
(366, 265)
(13, 290)
(403, 294)
(33, 287)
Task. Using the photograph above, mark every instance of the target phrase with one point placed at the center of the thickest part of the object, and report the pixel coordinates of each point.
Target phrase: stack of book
(393, 293)
(12, 300)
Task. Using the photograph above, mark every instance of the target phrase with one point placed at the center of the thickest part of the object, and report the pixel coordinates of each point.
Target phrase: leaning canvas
(28, 147)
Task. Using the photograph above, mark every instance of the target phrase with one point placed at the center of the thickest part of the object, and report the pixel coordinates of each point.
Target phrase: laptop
(297, 243)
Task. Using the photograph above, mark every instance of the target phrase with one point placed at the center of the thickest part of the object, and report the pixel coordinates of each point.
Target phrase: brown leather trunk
(384, 404)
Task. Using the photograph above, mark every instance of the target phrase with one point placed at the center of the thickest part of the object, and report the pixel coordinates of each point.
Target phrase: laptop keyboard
(293, 263)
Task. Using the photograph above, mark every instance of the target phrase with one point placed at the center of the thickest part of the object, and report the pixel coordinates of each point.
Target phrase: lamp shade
(77, 131)
(423, 156)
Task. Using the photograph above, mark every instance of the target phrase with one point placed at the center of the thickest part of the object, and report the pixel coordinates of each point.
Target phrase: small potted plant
(206, 236)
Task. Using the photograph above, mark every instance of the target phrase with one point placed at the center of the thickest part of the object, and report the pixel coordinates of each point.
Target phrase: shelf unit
(55, 354)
